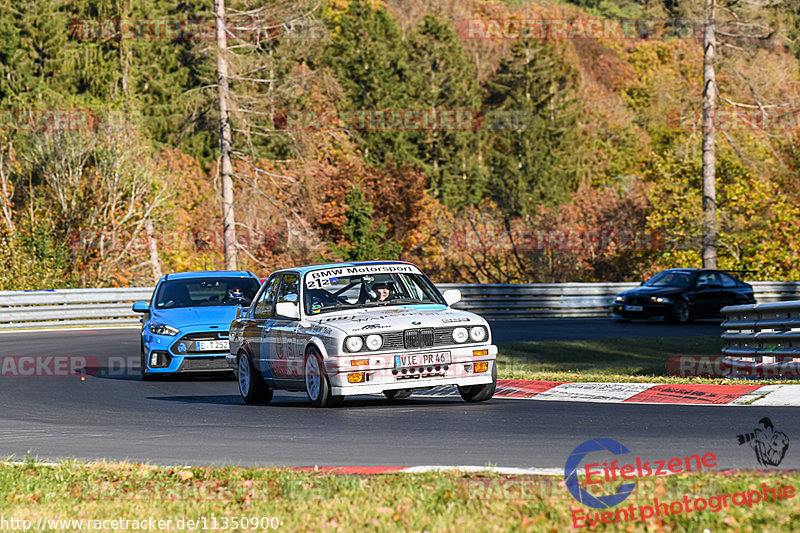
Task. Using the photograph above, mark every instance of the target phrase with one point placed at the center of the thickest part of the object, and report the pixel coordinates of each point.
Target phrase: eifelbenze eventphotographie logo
(627, 470)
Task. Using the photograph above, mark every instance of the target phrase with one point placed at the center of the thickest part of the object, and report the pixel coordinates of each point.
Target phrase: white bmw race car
(344, 329)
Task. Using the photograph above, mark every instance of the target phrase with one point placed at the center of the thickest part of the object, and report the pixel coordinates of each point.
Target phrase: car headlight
(660, 299)
(163, 329)
(460, 335)
(619, 298)
(374, 342)
(477, 333)
(354, 344)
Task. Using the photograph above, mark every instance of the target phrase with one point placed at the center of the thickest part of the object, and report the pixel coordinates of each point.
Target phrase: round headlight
(477, 333)
(374, 342)
(460, 335)
(620, 298)
(354, 344)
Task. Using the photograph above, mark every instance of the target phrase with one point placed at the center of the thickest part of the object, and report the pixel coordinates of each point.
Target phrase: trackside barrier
(763, 338)
(109, 307)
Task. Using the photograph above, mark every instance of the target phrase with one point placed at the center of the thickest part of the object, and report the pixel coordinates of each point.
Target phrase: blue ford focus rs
(185, 324)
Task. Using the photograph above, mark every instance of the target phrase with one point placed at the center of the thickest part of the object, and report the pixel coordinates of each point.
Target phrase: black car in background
(682, 294)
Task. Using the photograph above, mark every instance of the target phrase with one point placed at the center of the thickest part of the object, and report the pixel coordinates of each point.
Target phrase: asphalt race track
(113, 415)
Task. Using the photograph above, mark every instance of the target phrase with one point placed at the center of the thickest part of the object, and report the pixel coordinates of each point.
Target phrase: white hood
(365, 321)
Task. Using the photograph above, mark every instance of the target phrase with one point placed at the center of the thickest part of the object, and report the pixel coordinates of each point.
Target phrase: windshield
(211, 291)
(335, 289)
(670, 279)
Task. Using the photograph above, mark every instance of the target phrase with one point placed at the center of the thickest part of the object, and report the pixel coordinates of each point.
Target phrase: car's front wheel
(318, 388)
(480, 393)
(680, 313)
(251, 385)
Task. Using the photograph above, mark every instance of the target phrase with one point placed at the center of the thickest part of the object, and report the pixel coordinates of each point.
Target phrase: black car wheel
(680, 313)
(480, 393)
(251, 384)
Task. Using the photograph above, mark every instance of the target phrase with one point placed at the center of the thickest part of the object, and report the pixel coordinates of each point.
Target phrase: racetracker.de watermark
(194, 28)
(722, 366)
(510, 120)
(67, 366)
(737, 119)
(199, 240)
(48, 120)
(577, 29)
(539, 240)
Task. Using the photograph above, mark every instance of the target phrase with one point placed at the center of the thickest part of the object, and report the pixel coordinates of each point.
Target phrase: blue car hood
(183, 317)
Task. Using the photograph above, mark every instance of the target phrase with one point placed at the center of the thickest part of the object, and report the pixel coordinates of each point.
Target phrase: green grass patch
(311, 501)
(609, 360)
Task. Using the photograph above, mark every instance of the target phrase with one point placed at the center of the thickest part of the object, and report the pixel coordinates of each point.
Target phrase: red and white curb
(650, 393)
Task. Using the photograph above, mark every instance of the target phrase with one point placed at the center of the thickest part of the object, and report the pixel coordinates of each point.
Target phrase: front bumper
(382, 374)
(647, 310)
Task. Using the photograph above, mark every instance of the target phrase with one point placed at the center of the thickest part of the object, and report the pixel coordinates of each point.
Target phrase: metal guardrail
(70, 307)
(91, 307)
(762, 333)
(538, 300)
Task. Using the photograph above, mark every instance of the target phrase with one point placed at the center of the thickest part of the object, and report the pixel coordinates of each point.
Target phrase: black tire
(680, 313)
(480, 393)
(318, 388)
(251, 385)
(398, 394)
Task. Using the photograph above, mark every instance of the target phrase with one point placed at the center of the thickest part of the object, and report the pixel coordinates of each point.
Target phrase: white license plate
(632, 308)
(420, 359)
(212, 346)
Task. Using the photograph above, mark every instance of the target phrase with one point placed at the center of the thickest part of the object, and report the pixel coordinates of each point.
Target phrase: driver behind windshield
(384, 291)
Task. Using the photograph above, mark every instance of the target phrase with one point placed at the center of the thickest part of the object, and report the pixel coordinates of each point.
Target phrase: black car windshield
(204, 292)
(366, 287)
(670, 279)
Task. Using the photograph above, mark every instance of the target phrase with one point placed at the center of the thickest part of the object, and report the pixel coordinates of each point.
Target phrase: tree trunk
(709, 155)
(152, 247)
(229, 231)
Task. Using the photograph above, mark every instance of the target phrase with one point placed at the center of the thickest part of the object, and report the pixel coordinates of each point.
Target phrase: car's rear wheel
(680, 313)
(251, 385)
(318, 388)
(480, 393)
(397, 394)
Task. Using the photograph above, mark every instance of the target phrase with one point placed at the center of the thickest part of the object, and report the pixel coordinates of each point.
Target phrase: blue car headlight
(163, 329)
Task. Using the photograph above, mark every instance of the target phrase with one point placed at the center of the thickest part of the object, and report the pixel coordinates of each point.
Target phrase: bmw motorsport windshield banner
(322, 278)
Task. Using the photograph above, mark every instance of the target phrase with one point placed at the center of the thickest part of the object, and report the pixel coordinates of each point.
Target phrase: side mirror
(452, 296)
(242, 312)
(702, 285)
(287, 310)
(141, 307)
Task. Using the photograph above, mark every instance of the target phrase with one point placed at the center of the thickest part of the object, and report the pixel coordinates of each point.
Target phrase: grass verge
(610, 360)
(309, 501)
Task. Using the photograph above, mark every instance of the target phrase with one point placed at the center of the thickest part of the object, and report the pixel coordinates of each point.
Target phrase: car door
(731, 292)
(259, 325)
(284, 361)
(708, 293)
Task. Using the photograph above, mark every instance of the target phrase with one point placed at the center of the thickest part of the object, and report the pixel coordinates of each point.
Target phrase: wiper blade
(393, 302)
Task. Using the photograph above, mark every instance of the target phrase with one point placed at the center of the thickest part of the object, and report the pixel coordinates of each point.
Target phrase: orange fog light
(359, 362)
(480, 352)
(481, 367)
(355, 377)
